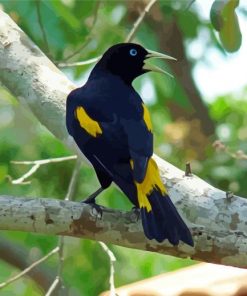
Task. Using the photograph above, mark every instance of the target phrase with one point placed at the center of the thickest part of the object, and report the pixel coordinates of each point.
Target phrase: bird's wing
(140, 142)
(97, 120)
(84, 113)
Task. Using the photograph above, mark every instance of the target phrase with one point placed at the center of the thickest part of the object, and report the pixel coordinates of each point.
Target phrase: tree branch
(32, 78)
(219, 224)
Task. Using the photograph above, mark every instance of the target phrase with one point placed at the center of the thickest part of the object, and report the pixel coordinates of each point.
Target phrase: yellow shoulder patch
(151, 181)
(146, 118)
(87, 123)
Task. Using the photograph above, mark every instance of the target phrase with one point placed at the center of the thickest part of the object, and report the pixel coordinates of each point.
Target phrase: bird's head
(129, 60)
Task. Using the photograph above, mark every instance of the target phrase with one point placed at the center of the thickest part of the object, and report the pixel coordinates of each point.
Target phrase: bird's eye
(133, 52)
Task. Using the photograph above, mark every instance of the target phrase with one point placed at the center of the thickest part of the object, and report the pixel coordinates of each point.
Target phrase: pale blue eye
(133, 52)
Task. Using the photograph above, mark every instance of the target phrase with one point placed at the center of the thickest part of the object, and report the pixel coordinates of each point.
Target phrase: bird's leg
(92, 197)
(91, 200)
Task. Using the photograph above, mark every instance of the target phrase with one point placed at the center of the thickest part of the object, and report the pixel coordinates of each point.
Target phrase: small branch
(76, 64)
(69, 196)
(36, 165)
(52, 287)
(136, 25)
(188, 172)
(47, 49)
(112, 259)
(21, 180)
(25, 271)
(45, 161)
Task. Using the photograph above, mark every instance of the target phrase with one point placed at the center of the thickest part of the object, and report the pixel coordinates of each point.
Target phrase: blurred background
(199, 116)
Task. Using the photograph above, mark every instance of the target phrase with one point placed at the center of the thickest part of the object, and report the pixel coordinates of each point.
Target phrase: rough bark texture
(32, 77)
(218, 223)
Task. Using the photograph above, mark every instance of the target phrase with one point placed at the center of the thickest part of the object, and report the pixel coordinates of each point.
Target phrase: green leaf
(215, 14)
(224, 19)
(230, 34)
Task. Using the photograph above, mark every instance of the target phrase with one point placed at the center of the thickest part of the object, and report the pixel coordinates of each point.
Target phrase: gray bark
(218, 223)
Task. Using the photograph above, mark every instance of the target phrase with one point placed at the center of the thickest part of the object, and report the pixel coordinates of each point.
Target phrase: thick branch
(32, 77)
(219, 223)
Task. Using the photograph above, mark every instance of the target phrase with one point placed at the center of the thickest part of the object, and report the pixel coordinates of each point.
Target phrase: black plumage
(112, 127)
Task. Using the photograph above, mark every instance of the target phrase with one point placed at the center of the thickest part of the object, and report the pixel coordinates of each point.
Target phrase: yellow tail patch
(146, 118)
(86, 122)
(151, 181)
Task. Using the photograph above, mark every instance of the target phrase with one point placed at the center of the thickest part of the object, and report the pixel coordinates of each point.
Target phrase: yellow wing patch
(86, 122)
(146, 118)
(151, 181)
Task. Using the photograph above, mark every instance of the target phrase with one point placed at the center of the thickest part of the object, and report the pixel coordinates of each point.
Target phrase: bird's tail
(160, 218)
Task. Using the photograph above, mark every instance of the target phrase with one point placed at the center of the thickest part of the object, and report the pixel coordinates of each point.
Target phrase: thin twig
(76, 64)
(88, 37)
(22, 179)
(138, 21)
(112, 259)
(36, 165)
(69, 196)
(44, 161)
(52, 287)
(29, 268)
(47, 49)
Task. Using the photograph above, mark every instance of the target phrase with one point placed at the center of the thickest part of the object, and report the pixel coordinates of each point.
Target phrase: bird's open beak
(155, 54)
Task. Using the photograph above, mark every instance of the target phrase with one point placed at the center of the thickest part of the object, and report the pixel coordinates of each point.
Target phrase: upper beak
(155, 54)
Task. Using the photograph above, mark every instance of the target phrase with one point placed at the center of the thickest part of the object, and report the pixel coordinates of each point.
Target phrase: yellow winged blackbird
(111, 125)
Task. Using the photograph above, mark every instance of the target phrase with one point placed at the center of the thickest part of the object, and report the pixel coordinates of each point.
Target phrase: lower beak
(154, 54)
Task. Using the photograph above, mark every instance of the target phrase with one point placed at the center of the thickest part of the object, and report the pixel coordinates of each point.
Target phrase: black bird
(112, 127)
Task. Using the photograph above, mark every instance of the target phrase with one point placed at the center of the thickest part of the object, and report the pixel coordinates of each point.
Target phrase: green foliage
(225, 20)
(67, 25)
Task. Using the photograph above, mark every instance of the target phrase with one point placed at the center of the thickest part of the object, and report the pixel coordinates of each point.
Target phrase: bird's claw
(96, 209)
(136, 211)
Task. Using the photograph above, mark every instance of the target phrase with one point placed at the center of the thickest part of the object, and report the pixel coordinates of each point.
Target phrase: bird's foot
(96, 209)
(136, 212)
